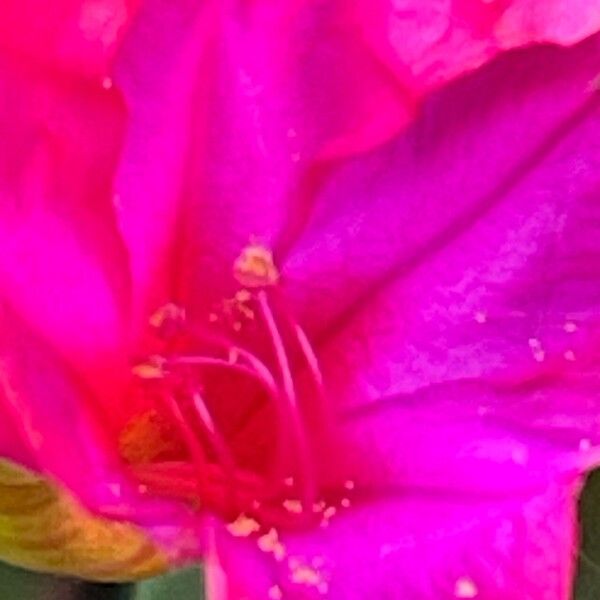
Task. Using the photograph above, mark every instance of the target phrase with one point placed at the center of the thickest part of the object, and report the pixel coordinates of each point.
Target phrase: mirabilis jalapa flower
(309, 290)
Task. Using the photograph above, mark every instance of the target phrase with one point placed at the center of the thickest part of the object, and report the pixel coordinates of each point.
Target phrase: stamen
(308, 487)
(284, 493)
(218, 444)
(310, 356)
(261, 374)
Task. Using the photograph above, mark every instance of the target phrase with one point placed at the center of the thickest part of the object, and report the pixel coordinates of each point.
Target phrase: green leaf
(587, 585)
(20, 584)
(186, 584)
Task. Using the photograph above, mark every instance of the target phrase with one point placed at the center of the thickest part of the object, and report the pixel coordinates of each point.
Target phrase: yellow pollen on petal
(536, 348)
(243, 526)
(255, 268)
(269, 543)
(585, 444)
(238, 306)
(242, 296)
(279, 552)
(465, 588)
(594, 84)
(293, 506)
(330, 512)
(305, 575)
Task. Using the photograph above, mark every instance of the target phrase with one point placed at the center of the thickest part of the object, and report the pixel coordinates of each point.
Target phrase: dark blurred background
(17, 584)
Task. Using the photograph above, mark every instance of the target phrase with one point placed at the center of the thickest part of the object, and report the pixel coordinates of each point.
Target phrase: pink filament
(260, 373)
(308, 487)
(204, 479)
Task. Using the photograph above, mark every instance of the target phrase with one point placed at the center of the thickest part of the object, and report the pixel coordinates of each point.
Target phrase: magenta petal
(454, 255)
(78, 35)
(419, 546)
(470, 437)
(63, 266)
(436, 41)
(232, 107)
(52, 412)
(237, 111)
(157, 71)
(562, 21)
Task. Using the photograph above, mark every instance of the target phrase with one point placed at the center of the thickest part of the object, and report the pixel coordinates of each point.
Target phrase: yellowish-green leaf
(43, 528)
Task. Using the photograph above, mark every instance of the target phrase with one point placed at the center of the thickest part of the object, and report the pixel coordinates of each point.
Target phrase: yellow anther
(153, 368)
(243, 526)
(254, 268)
(275, 593)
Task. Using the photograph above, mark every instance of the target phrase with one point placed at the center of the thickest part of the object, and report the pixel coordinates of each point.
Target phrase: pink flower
(400, 403)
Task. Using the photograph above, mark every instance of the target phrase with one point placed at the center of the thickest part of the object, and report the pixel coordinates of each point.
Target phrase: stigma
(255, 268)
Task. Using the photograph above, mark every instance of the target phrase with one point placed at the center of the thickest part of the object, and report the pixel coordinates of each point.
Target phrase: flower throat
(250, 352)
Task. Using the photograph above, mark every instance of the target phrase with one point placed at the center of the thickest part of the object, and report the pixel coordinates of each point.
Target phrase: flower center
(228, 403)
